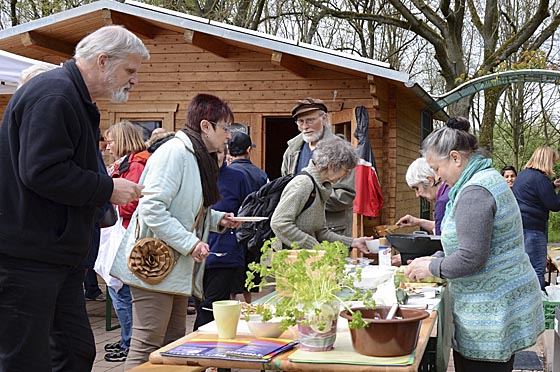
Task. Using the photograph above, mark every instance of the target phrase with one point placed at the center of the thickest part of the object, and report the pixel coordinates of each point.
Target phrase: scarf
(207, 167)
(477, 163)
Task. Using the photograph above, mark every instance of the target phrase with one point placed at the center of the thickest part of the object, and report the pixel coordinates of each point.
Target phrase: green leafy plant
(308, 283)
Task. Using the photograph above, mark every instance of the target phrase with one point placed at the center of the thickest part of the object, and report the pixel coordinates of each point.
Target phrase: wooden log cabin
(260, 75)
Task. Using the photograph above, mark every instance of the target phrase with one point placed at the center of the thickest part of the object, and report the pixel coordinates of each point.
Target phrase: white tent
(11, 66)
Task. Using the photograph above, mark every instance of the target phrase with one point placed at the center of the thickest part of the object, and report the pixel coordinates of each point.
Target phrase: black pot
(417, 244)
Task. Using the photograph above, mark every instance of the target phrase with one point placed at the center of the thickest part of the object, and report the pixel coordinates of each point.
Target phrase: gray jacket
(340, 204)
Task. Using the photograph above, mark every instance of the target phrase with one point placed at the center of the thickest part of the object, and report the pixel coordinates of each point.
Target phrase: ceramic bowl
(270, 328)
(386, 338)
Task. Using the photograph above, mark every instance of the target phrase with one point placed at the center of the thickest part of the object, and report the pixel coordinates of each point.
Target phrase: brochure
(257, 350)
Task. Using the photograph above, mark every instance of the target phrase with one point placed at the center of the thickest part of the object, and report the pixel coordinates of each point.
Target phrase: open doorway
(277, 132)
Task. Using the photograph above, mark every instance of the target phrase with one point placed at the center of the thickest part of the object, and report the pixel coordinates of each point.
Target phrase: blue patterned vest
(497, 310)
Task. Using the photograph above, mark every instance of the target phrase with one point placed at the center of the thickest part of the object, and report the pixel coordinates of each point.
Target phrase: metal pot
(417, 244)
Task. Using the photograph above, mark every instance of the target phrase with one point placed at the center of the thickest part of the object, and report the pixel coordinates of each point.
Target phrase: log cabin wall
(261, 85)
(256, 89)
(4, 99)
(407, 150)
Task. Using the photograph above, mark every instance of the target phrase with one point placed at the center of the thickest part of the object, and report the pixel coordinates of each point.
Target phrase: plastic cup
(373, 245)
(226, 315)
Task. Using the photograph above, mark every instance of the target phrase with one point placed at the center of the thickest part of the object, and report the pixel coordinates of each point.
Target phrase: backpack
(262, 203)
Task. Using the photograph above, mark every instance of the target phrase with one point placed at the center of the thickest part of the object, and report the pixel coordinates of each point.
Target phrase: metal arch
(493, 80)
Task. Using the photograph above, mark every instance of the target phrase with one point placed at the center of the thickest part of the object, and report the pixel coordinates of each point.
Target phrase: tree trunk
(491, 99)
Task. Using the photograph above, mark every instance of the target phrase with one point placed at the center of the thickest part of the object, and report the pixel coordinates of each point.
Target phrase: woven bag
(151, 260)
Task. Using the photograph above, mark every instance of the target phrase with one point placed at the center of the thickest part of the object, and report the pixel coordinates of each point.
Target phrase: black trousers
(463, 364)
(218, 285)
(44, 325)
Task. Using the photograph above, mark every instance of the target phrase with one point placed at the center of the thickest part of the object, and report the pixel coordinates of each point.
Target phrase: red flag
(369, 199)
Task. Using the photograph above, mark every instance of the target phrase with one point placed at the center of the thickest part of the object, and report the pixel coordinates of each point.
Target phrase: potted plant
(311, 286)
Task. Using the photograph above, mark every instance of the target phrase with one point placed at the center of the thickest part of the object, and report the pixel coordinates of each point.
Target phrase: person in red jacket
(126, 144)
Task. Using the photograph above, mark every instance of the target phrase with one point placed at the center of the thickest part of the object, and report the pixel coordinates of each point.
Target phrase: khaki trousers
(157, 319)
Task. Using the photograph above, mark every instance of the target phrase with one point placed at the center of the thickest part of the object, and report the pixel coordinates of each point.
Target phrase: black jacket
(536, 196)
(50, 185)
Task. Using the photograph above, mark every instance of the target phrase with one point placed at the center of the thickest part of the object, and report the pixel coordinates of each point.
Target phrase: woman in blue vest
(495, 294)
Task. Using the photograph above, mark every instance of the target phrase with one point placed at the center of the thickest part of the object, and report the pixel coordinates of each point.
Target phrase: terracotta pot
(386, 338)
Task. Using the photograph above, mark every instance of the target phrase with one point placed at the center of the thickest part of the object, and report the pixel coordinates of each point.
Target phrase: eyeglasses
(226, 128)
(308, 121)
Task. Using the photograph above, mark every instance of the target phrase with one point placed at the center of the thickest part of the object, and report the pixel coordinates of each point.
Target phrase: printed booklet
(256, 350)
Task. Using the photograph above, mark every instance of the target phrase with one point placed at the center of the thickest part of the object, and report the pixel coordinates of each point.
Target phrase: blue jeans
(535, 246)
(122, 303)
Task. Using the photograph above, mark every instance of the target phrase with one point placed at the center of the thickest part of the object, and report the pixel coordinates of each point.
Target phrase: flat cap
(307, 105)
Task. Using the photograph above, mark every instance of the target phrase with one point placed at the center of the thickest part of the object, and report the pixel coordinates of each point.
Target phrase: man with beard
(310, 115)
(50, 191)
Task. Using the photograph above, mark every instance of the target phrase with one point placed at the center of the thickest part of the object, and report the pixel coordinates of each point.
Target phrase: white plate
(249, 219)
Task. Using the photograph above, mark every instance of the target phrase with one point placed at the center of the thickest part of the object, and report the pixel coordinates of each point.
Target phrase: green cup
(226, 315)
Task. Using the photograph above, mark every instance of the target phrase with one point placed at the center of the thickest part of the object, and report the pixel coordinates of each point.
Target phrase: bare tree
(442, 24)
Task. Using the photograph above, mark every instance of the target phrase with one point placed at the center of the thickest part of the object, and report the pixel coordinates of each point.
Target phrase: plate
(249, 219)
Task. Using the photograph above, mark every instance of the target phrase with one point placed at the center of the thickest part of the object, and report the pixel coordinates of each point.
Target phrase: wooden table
(282, 361)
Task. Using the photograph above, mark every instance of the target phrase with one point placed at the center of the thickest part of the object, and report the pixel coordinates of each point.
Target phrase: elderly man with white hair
(50, 191)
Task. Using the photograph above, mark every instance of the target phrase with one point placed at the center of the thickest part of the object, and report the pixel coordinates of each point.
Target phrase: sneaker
(101, 298)
(112, 347)
(191, 310)
(117, 356)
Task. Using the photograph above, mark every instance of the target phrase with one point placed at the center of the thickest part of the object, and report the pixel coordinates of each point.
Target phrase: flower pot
(317, 331)
(386, 338)
(311, 340)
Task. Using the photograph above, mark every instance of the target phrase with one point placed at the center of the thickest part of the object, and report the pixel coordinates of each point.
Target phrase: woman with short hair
(421, 178)
(333, 159)
(182, 177)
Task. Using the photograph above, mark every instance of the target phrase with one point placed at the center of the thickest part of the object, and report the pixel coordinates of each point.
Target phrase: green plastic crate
(549, 313)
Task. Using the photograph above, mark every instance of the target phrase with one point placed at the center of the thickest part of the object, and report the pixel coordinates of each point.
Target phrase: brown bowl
(386, 338)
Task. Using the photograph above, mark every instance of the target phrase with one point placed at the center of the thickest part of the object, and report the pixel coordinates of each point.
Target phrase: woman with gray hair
(495, 294)
(295, 222)
(422, 179)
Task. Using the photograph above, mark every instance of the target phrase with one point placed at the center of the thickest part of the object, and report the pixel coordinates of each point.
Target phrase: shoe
(112, 347)
(100, 298)
(117, 356)
(191, 310)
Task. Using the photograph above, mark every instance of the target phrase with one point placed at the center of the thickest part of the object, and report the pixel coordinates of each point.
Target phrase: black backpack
(262, 203)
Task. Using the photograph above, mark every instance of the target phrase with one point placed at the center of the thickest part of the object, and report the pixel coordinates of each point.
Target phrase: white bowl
(270, 328)
(373, 245)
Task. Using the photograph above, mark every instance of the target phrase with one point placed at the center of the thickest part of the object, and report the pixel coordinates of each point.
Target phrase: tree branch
(515, 42)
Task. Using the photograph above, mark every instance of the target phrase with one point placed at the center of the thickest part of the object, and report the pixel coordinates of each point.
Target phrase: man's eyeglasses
(308, 121)
(226, 128)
